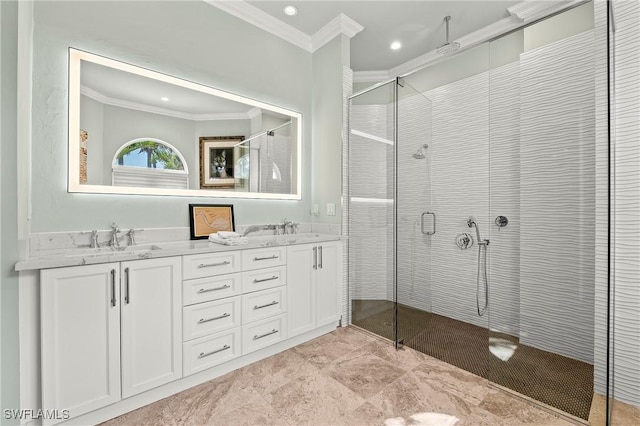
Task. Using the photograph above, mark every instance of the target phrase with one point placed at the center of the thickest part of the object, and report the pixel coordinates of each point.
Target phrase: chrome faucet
(285, 226)
(94, 239)
(132, 237)
(255, 228)
(114, 241)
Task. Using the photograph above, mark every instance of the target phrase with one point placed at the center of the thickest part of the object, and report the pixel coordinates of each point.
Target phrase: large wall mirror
(136, 131)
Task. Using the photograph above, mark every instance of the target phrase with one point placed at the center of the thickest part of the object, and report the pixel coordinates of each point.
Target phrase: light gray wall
(327, 131)
(9, 355)
(185, 39)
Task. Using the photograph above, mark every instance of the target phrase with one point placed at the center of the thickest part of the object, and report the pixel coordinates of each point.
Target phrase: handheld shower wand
(471, 223)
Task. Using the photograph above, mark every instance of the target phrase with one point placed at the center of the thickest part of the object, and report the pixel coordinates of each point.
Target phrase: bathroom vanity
(119, 330)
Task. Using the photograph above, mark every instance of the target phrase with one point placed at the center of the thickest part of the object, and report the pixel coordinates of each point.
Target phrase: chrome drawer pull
(275, 256)
(275, 277)
(264, 306)
(202, 320)
(204, 355)
(209, 265)
(207, 290)
(256, 337)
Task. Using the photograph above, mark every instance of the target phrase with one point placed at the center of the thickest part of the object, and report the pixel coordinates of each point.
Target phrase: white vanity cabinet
(116, 335)
(109, 331)
(80, 328)
(212, 310)
(314, 275)
(151, 328)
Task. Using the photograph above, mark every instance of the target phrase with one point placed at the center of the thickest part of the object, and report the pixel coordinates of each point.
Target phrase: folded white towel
(228, 241)
(228, 234)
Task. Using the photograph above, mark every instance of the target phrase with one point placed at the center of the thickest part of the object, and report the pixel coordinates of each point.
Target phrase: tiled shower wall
(626, 302)
(473, 168)
(557, 197)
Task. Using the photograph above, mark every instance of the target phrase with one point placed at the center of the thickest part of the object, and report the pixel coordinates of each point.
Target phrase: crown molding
(263, 20)
(529, 10)
(341, 24)
(371, 76)
(106, 100)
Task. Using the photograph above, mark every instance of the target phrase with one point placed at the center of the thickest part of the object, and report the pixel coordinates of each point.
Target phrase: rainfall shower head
(419, 155)
(448, 47)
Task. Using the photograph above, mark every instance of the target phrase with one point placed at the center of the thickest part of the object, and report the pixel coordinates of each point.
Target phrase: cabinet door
(328, 283)
(301, 276)
(80, 331)
(151, 324)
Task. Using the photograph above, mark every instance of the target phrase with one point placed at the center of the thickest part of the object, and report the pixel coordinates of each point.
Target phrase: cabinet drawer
(263, 258)
(263, 333)
(263, 304)
(261, 279)
(210, 288)
(209, 351)
(207, 318)
(208, 264)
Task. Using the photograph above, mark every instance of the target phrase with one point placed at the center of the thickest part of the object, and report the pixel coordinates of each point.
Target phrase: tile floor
(346, 377)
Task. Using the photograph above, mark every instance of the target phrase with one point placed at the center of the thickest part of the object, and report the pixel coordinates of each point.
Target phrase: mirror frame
(73, 178)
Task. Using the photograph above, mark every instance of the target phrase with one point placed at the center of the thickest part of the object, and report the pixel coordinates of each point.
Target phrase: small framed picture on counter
(205, 219)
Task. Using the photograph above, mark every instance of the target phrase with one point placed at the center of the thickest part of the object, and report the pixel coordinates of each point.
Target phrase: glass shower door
(416, 222)
(370, 159)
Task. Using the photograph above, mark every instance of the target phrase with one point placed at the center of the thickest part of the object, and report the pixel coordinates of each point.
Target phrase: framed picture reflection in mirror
(218, 158)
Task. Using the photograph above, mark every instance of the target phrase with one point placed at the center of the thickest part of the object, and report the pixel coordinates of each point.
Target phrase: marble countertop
(88, 256)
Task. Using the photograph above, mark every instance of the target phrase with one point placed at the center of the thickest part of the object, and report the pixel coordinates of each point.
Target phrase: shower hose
(482, 310)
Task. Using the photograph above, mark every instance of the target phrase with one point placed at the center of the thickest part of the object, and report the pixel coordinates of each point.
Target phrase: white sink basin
(273, 240)
(113, 251)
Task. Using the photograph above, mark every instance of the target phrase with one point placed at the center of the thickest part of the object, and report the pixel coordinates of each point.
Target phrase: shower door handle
(433, 231)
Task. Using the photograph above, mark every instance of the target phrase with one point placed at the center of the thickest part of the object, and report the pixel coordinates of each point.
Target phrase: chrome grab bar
(202, 320)
(224, 348)
(207, 290)
(422, 223)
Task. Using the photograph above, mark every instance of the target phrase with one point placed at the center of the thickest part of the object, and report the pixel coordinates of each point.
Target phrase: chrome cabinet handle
(206, 354)
(264, 306)
(422, 223)
(202, 320)
(113, 287)
(209, 265)
(320, 256)
(275, 256)
(126, 286)
(256, 337)
(315, 258)
(275, 277)
(207, 290)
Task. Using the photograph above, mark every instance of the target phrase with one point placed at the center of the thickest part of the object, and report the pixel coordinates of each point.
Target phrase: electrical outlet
(316, 210)
(331, 209)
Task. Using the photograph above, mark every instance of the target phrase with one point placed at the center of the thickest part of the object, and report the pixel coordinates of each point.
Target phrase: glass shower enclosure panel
(370, 191)
(416, 222)
(543, 217)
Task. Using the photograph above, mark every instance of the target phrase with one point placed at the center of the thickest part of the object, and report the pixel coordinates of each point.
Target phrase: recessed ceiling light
(396, 45)
(290, 10)
(164, 98)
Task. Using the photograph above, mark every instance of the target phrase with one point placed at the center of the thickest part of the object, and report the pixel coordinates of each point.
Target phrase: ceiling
(418, 25)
